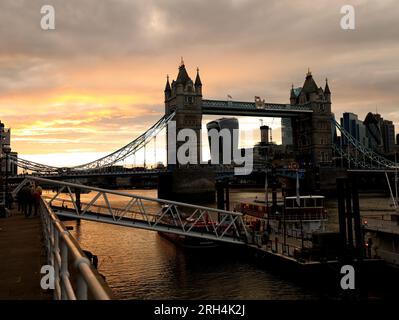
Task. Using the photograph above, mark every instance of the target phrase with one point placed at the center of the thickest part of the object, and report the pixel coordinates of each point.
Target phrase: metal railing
(383, 224)
(75, 278)
(285, 249)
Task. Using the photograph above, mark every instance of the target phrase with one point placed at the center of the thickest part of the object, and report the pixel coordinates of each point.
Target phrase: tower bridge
(309, 109)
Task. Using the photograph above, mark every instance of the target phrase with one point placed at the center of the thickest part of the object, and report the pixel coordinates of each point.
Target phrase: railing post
(56, 252)
(64, 269)
(51, 243)
(81, 288)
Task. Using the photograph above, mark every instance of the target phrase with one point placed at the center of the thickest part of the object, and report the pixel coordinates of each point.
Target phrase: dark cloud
(244, 47)
(118, 27)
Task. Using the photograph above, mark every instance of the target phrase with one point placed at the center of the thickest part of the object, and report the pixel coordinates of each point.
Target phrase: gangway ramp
(134, 211)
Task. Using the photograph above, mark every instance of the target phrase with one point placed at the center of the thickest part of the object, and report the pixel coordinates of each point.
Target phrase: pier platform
(284, 256)
(21, 257)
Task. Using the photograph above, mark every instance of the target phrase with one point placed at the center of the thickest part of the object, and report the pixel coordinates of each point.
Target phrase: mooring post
(357, 220)
(349, 215)
(77, 196)
(227, 190)
(341, 216)
(220, 195)
(78, 203)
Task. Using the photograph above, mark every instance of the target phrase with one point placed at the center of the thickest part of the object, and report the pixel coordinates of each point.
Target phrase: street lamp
(2, 206)
(6, 150)
(396, 177)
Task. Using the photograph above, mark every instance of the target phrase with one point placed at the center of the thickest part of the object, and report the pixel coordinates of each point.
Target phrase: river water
(139, 264)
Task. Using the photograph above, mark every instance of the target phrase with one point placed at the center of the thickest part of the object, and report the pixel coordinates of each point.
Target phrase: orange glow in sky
(96, 82)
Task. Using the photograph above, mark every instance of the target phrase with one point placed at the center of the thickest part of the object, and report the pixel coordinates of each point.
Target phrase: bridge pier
(188, 184)
(223, 195)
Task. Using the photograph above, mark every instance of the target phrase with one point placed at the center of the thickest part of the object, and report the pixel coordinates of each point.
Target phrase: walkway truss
(129, 210)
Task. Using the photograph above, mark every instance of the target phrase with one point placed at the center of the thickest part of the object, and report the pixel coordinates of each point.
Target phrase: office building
(229, 124)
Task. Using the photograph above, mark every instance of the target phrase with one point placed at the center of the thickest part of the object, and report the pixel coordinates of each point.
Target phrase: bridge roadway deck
(21, 257)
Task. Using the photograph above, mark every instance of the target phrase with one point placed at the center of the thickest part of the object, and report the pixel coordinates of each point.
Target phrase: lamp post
(6, 150)
(2, 205)
(396, 178)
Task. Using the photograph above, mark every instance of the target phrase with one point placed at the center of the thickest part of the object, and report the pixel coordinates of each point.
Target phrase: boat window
(289, 203)
(302, 203)
(308, 203)
(319, 202)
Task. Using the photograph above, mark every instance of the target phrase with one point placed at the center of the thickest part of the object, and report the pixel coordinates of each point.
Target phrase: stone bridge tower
(186, 182)
(312, 133)
(185, 97)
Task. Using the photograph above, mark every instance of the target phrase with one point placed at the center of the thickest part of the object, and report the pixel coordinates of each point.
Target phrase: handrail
(139, 212)
(125, 194)
(61, 247)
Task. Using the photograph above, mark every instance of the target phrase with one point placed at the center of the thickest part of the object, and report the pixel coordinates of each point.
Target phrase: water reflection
(139, 264)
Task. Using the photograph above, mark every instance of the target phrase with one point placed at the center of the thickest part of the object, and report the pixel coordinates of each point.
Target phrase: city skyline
(96, 82)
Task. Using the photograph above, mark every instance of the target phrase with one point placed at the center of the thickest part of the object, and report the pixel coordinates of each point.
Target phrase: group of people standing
(28, 199)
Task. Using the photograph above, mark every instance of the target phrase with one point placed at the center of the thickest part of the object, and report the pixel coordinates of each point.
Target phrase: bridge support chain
(104, 162)
(354, 149)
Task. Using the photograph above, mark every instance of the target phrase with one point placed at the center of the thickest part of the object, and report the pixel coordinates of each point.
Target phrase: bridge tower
(312, 133)
(186, 182)
(185, 97)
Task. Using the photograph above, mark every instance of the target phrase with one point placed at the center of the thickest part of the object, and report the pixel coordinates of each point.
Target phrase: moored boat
(304, 214)
(200, 226)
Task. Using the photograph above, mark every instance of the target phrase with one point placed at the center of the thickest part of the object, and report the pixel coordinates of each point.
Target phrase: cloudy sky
(96, 81)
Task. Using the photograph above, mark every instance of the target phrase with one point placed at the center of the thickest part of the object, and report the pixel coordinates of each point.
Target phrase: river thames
(140, 264)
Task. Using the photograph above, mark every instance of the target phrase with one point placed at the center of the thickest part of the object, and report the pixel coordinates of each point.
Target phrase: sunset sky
(96, 82)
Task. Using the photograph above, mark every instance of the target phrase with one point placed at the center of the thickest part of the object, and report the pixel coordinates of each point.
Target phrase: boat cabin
(305, 208)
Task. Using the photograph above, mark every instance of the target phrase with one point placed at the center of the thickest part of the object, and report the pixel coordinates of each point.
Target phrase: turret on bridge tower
(312, 134)
(185, 97)
(188, 182)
